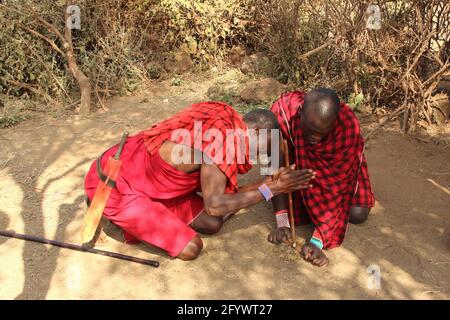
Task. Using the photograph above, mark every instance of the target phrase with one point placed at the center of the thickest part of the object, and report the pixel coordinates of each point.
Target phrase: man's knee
(208, 224)
(213, 226)
(359, 215)
(192, 249)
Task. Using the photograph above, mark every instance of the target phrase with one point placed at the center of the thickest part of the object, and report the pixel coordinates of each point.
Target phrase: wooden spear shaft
(291, 208)
(12, 234)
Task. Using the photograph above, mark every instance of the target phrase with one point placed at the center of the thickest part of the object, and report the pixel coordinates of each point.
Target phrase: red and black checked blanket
(342, 179)
(217, 116)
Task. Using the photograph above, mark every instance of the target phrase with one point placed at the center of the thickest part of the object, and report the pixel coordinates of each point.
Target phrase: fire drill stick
(291, 208)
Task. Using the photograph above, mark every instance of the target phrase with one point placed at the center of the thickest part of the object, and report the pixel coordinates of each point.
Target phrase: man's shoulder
(217, 114)
(212, 109)
(289, 102)
(348, 119)
(295, 97)
(212, 105)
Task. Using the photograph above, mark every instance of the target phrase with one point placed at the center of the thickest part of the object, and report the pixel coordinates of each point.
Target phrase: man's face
(313, 128)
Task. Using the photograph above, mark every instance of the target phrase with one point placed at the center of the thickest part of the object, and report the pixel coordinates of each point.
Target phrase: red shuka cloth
(211, 115)
(153, 201)
(342, 179)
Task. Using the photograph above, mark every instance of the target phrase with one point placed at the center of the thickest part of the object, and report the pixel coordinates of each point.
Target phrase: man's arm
(219, 203)
(254, 185)
(280, 204)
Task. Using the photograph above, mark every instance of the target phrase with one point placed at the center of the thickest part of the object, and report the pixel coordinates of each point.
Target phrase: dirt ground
(42, 166)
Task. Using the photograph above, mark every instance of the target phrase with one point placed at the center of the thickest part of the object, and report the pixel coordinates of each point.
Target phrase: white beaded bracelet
(282, 219)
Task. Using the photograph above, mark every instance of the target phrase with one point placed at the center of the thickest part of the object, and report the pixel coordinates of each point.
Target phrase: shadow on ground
(407, 235)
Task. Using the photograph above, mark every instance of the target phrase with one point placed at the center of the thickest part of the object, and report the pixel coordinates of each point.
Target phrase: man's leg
(359, 215)
(152, 222)
(207, 224)
(192, 249)
(363, 198)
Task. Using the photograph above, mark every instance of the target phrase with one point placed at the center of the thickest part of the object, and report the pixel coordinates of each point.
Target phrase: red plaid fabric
(218, 117)
(342, 179)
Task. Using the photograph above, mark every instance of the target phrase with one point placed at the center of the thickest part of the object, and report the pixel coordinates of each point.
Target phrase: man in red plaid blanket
(202, 148)
(324, 135)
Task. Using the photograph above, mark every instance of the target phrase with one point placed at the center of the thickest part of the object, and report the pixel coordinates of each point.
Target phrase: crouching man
(323, 134)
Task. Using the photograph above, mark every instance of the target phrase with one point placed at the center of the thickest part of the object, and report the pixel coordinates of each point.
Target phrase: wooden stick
(291, 208)
(12, 234)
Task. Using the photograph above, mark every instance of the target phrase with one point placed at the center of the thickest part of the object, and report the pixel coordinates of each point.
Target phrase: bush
(326, 43)
(124, 43)
(121, 43)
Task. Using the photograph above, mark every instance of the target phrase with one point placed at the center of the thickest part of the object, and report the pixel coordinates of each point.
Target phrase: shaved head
(323, 103)
(319, 114)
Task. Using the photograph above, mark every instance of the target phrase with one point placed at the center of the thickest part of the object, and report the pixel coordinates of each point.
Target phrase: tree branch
(51, 42)
(319, 48)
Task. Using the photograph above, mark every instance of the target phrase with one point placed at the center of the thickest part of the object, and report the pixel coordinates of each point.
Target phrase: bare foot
(102, 239)
(314, 255)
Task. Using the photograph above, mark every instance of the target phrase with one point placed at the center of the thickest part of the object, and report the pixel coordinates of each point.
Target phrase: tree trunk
(80, 77)
(83, 83)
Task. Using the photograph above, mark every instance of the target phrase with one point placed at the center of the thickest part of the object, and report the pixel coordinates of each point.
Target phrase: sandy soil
(42, 165)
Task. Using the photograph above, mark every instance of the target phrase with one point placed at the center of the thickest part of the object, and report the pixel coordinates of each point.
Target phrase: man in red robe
(200, 149)
(323, 134)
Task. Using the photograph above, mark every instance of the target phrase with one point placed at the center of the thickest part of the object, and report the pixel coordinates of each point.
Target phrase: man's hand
(280, 235)
(286, 179)
(314, 255)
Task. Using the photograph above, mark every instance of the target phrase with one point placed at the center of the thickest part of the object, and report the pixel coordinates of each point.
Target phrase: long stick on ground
(12, 234)
(291, 208)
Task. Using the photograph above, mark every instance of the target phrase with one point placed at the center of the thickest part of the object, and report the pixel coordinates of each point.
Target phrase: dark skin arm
(213, 183)
(218, 203)
(280, 202)
(254, 185)
(309, 252)
(267, 180)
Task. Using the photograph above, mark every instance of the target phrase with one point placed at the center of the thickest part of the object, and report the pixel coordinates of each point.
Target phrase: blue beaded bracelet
(317, 242)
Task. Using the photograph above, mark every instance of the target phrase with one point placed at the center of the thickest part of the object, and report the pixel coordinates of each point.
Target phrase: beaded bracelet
(265, 191)
(282, 219)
